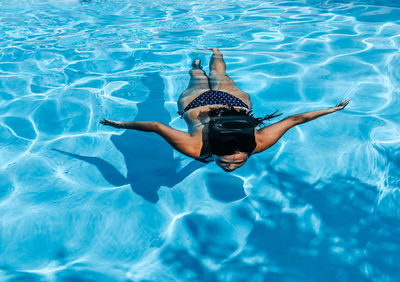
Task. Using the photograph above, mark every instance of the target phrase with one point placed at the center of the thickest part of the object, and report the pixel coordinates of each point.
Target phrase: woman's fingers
(116, 124)
(105, 121)
(343, 103)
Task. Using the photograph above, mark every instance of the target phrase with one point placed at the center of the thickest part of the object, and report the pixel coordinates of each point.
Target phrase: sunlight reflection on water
(79, 201)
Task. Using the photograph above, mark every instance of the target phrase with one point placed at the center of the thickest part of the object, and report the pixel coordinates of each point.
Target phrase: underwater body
(83, 202)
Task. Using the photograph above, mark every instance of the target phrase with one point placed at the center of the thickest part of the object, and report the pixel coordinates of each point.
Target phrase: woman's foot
(196, 64)
(215, 51)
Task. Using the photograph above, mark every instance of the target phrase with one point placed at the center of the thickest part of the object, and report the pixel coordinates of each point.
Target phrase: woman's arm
(269, 135)
(187, 144)
(147, 126)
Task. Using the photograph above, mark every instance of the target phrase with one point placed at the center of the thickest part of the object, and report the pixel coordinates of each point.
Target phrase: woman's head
(231, 162)
(231, 137)
(230, 134)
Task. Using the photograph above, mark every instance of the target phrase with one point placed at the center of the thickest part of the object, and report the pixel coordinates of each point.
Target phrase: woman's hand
(341, 105)
(112, 123)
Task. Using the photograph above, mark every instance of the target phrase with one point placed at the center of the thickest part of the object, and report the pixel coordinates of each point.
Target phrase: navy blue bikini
(213, 97)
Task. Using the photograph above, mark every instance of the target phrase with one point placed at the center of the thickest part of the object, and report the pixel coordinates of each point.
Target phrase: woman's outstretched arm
(187, 144)
(269, 135)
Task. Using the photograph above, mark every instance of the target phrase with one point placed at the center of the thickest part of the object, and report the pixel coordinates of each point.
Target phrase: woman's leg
(220, 81)
(198, 84)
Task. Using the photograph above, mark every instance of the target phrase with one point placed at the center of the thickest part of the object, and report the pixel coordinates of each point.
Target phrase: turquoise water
(84, 202)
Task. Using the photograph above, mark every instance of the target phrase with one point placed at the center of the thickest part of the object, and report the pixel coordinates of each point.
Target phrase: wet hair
(231, 130)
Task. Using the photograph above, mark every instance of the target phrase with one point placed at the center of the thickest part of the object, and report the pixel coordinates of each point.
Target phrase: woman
(220, 124)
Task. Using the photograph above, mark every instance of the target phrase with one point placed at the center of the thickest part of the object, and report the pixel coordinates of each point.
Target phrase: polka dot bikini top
(212, 97)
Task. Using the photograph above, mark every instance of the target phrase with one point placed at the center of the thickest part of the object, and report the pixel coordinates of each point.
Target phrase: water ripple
(79, 201)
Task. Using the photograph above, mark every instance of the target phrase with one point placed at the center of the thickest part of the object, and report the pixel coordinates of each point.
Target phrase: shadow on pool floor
(149, 159)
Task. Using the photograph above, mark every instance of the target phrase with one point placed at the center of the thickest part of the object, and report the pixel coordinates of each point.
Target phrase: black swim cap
(231, 130)
(229, 134)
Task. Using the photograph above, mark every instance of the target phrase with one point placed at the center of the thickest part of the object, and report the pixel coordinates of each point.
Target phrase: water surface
(84, 202)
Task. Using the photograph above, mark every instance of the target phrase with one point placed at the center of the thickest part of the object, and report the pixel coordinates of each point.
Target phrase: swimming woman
(221, 126)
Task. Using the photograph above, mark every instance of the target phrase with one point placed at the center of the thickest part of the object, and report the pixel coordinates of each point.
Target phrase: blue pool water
(84, 202)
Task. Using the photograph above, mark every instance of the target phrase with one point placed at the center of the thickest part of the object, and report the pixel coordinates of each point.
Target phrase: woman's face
(231, 162)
